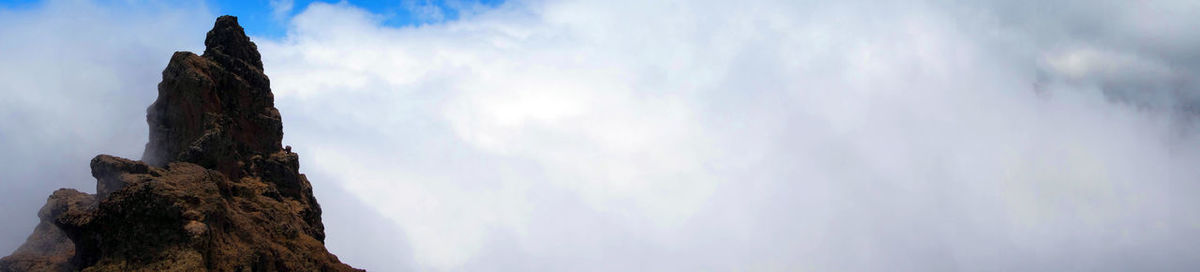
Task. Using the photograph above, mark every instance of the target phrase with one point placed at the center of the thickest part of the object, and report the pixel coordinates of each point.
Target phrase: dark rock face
(217, 109)
(215, 191)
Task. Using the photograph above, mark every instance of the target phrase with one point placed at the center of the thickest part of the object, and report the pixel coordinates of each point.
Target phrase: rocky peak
(217, 109)
(214, 190)
(228, 39)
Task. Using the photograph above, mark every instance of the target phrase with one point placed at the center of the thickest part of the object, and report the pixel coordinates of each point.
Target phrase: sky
(755, 135)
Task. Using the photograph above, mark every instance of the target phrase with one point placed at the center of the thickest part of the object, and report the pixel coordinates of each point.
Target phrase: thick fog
(675, 135)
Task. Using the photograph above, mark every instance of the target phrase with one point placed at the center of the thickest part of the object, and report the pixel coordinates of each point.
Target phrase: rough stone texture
(48, 248)
(215, 191)
(114, 173)
(191, 218)
(217, 109)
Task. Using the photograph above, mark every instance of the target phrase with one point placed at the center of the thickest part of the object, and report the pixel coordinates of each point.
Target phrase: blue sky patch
(269, 18)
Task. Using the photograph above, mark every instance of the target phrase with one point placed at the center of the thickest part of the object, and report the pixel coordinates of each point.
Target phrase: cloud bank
(704, 135)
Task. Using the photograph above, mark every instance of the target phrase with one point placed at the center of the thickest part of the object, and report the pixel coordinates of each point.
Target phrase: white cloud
(671, 135)
(281, 9)
(425, 11)
(762, 136)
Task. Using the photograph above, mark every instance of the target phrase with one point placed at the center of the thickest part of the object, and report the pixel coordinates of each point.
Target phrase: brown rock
(215, 191)
(216, 109)
(193, 218)
(48, 248)
(113, 173)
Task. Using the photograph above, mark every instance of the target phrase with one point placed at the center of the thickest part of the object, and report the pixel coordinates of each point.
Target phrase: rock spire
(214, 190)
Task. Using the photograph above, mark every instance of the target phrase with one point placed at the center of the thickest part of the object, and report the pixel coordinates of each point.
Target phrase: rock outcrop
(48, 248)
(214, 189)
(217, 109)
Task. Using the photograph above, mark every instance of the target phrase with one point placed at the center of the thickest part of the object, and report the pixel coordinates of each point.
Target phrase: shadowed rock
(217, 109)
(48, 248)
(214, 192)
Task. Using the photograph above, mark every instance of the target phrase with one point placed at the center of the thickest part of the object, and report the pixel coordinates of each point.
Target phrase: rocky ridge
(215, 190)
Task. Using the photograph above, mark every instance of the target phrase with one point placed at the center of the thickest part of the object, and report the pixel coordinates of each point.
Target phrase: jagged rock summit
(217, 109)
(214, 191)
